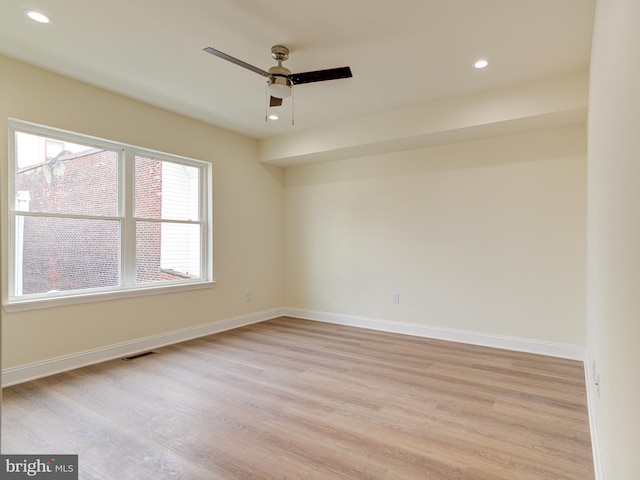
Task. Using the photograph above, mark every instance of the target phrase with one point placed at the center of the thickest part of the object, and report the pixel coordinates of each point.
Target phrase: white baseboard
(573, 352)
(592, 397)
(24, 373)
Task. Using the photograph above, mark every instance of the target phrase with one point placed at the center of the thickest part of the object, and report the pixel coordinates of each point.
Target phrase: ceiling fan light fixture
(279, 87)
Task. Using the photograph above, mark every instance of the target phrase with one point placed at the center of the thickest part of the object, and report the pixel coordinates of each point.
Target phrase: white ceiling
(401, 53)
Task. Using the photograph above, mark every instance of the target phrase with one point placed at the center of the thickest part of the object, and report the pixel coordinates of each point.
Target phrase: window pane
(53, 176)
(167, 251)
(166, 190)
(56, 254)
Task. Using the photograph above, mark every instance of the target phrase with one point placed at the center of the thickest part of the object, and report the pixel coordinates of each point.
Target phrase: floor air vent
(139, 355)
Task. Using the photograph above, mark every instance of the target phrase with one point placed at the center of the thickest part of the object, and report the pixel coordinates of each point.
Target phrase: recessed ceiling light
(37, 16)
(481, 64)
(273, 117)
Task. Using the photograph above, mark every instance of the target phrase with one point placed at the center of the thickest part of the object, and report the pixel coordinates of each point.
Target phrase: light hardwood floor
(293, 399)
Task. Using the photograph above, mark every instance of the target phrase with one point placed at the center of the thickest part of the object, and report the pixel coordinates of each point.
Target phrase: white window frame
(125, 215)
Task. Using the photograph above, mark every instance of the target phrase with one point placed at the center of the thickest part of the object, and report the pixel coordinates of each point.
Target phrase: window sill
(37, 303)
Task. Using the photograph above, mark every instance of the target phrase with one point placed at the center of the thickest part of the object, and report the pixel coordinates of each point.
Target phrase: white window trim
(128, 288)
(101, 296)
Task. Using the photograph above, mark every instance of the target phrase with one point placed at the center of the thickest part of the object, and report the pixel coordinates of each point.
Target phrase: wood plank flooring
(293, 399)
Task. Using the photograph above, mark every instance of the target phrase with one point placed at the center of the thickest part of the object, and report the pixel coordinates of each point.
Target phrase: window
(90, 217)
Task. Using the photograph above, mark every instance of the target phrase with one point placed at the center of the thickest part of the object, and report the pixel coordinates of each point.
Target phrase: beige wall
(614, 237)
(248, 222)
(483, 236)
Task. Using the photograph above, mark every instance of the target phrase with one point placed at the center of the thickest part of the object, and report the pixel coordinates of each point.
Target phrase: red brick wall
(64, 254)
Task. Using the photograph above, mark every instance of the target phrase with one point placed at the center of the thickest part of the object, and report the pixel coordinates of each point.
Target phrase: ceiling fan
(280, 79)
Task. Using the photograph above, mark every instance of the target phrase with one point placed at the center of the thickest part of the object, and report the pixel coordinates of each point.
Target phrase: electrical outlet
(395, 298)
(247, 296)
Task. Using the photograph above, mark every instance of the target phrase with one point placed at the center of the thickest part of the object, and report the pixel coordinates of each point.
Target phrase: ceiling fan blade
(231, 59)
(320, 75)
(275, 102)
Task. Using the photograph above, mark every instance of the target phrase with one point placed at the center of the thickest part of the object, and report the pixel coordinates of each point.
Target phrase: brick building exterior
(60, 253)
